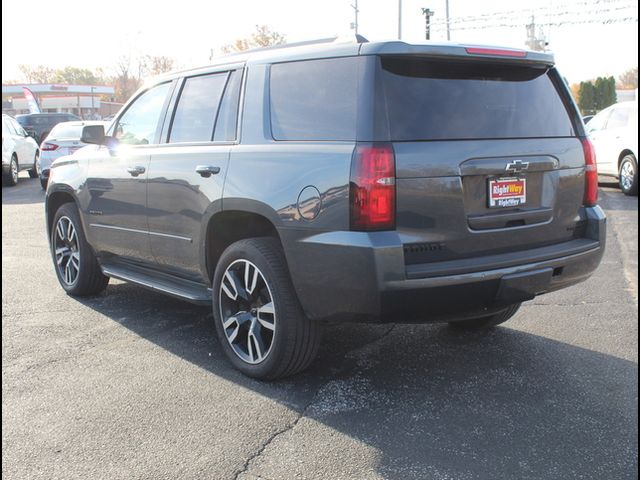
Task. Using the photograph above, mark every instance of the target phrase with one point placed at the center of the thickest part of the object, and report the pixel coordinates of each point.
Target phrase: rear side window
(195, 114)
(314, 100)
(431, 100)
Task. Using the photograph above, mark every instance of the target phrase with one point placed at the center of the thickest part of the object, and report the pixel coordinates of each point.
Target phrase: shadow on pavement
(27, 191)
(434, 403)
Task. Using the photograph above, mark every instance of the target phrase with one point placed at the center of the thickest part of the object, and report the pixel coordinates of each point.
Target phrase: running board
(193, 292)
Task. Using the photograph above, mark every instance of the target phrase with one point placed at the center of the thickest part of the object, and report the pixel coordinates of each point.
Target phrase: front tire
(76, 265)
(628, 175)
(486, 322)
(259, 321)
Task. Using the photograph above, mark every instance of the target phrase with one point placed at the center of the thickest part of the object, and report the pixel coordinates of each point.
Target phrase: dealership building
(86, 101)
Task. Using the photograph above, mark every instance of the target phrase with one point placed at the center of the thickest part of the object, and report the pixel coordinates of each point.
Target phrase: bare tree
(262, 37)
(629, 79)
(155, 65)
(39, 74)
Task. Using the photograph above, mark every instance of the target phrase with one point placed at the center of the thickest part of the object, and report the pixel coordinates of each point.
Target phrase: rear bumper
(363, 276)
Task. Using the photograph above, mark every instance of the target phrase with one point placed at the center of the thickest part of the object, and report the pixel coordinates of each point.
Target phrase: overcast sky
(90, 34)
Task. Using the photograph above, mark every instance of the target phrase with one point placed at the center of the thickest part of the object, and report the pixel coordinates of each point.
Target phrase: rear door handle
(135, 171)
(207, 170)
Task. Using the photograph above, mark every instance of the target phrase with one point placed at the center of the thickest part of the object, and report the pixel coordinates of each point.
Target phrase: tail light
(372, 187)
(591, 174)
(48, 147)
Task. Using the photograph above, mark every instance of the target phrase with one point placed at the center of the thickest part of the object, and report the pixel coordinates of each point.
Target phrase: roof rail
(338, 39)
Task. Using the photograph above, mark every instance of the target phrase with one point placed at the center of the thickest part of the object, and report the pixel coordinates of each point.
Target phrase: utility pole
(446, 7)
(533, 42)
(354, 25)
(428, 13)
(399, 19)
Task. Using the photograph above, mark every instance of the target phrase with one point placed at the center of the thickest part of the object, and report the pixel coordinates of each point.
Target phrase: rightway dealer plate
(507, 192)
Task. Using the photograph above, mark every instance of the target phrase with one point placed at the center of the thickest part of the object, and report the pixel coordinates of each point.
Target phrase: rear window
(61, 131)
(314, 99)
(431, 100)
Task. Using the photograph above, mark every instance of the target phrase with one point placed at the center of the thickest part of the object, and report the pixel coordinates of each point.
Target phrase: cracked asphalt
(133, 385)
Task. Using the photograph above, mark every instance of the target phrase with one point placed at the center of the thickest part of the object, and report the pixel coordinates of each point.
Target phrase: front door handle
(135, 171)
(207, 170)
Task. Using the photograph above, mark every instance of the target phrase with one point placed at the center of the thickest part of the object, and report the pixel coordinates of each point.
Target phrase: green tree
(262, 37)
(75, 76)
(587, 98)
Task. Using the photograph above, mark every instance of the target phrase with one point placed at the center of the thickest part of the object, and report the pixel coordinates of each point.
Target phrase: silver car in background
(64, 139)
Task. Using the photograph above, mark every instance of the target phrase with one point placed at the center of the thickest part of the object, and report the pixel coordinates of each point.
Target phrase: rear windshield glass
(66, 131)
(430, 100)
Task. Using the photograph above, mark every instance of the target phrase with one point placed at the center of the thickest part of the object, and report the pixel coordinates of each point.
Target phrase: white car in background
(19, 151)
(614, 134)
(64, 139)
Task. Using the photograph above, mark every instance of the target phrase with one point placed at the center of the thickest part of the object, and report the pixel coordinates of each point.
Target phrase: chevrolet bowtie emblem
(517, 166)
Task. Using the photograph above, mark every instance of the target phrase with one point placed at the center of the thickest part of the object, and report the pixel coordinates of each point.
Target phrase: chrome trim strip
(133, 230)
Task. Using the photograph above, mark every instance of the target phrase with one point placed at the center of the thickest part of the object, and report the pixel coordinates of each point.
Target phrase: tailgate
(444, 209)
(488, 158)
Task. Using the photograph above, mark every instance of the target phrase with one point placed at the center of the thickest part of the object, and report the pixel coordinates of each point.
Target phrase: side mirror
(93, 134)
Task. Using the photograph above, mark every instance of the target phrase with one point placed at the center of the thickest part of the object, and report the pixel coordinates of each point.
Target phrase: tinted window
(228, 115)
(195, 114)
(430, 100)
(314, 100)
(138, 125)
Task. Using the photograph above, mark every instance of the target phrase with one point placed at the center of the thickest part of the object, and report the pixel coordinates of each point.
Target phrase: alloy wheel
(14, 170)
(247, 311)
(627, 175)
(67, 250)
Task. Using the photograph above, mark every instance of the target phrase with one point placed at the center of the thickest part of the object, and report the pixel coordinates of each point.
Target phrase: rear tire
(10, 178)
(628, 175)
(76, 265)
(33, 173)
(486, 322)
(258, 318)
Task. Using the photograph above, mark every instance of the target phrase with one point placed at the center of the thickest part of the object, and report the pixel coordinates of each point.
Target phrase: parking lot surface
(132, 384)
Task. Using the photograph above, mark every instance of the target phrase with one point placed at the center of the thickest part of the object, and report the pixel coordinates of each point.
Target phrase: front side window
(197, 109)
(138, 125)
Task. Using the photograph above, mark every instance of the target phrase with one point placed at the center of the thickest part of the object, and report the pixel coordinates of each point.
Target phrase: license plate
(507, 192)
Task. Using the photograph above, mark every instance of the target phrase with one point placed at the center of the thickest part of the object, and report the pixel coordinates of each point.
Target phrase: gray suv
(381, 182)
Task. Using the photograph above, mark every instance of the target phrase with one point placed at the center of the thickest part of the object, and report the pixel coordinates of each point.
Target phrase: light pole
(93, 108)
(446, 8)
(399, 19)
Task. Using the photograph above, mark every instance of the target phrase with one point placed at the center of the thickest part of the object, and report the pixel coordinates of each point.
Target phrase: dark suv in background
(38, 125)
(381, 182)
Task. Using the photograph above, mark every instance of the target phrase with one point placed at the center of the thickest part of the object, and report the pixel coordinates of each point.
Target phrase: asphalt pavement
(133, 385)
